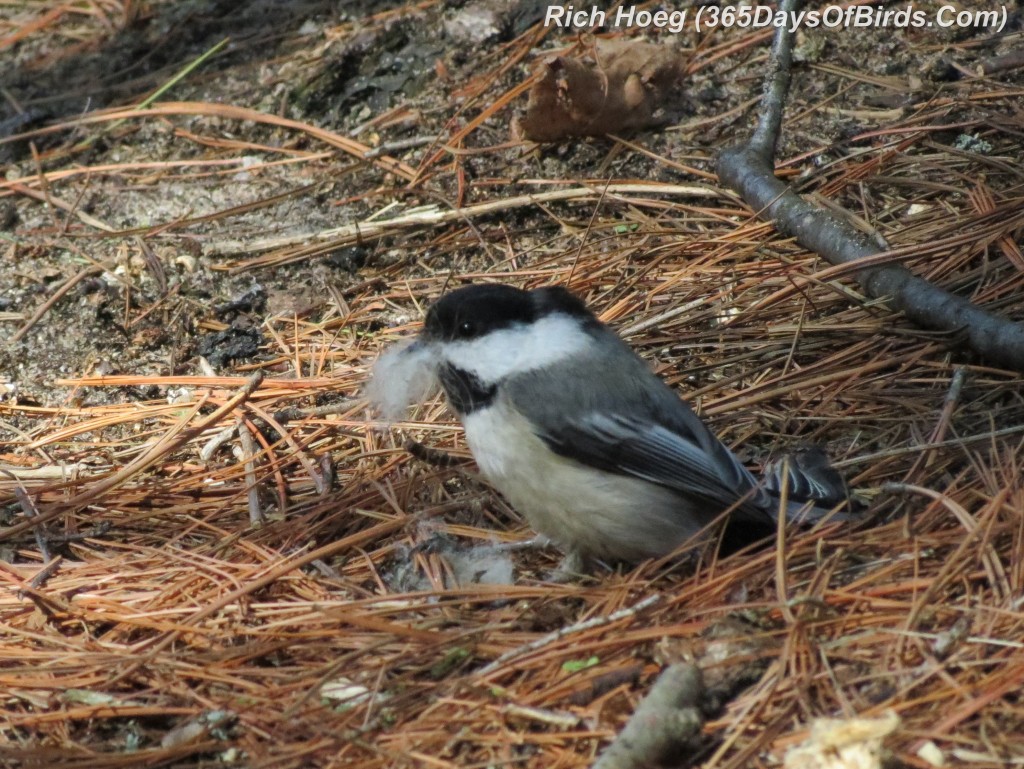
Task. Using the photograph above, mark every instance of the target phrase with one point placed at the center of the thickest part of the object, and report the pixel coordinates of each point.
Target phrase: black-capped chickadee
(577, 432)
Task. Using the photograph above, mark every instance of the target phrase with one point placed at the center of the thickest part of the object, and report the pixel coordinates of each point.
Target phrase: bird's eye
(467, 329)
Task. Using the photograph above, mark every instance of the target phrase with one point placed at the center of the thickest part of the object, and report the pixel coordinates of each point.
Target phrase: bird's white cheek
(519, 348)
(490, 358)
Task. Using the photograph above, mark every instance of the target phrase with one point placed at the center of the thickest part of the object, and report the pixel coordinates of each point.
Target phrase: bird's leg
(573, 567)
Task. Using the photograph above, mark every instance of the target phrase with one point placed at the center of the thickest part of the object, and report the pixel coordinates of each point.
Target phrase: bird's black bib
(466, 393)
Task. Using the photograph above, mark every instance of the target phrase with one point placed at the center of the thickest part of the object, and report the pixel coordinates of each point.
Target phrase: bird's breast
(592, 511)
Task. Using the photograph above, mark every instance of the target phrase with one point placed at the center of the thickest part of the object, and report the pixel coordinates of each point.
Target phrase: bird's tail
(814, 489)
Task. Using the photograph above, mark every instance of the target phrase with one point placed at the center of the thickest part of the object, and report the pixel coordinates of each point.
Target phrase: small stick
(31, 512)
(399, 144)
(283, 416)
(563, 632)
(952, 400)
(211, 446)
(749, 169)
(46, 572)
(664, 726)
(44, 308)
(1012, 59)
(99, 530)
(252, 489)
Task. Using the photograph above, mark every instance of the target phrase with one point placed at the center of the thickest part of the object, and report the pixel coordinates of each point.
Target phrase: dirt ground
(156, 252)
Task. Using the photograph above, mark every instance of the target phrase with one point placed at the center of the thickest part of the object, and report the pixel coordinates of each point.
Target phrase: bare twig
(431, 216)
(66, 286)
(248, 452)
(749, 169)
(46, 572)
(666, 725)
(29, 508)
(561, 633)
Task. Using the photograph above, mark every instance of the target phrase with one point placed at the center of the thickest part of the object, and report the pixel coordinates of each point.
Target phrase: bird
(577, 432)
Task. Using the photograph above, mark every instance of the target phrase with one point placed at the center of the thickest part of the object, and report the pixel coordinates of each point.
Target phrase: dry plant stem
(252, 489)
(949, 405)
(540, 715)
(211, 446)
(431, 216)
(46, 572)
(563, 632)
(284, 416)
(32, 513)
(780, 549)
(666, 724)
(293, 444)
(400, 144)
(749, 169)
(1013, 59)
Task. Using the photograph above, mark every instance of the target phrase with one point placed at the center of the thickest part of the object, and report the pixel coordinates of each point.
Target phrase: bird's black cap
(479, 309)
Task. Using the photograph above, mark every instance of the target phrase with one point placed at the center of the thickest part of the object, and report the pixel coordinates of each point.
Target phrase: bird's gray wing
(657, 454)
(626, 420)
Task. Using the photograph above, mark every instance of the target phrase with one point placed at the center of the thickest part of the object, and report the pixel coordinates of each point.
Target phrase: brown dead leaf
(620, 85)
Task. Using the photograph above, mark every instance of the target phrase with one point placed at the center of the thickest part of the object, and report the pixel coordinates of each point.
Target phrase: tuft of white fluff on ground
(844, 743)
(403, 375)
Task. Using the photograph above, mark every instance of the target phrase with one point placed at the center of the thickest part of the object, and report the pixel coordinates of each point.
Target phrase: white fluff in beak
(404, 375)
